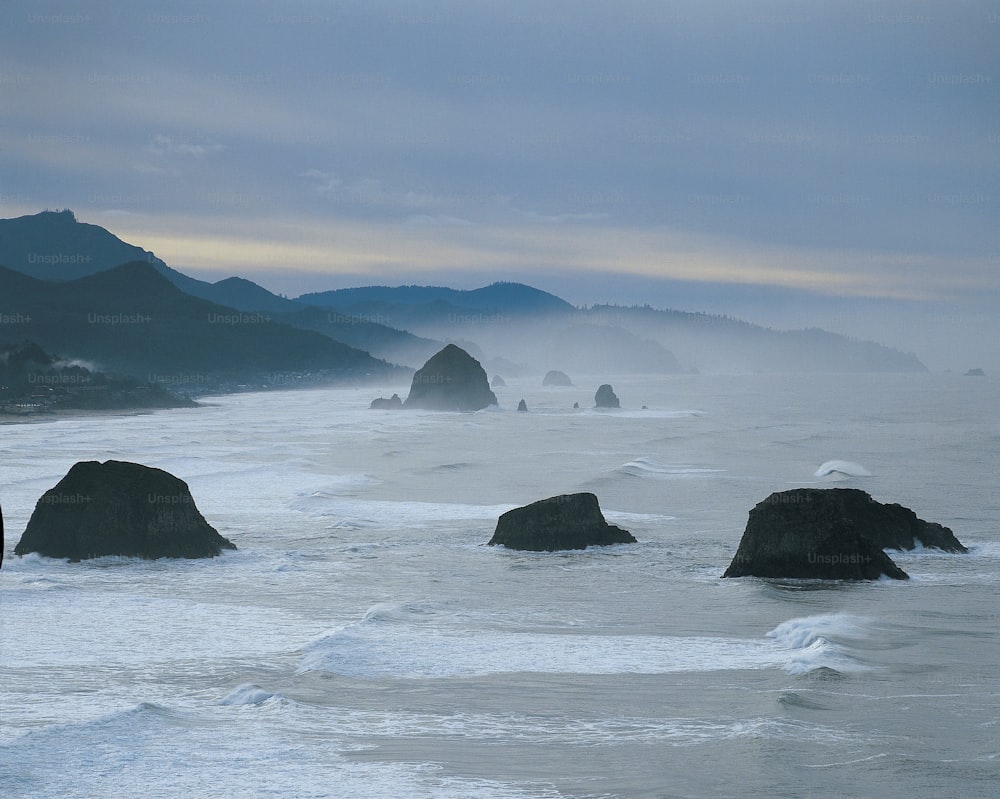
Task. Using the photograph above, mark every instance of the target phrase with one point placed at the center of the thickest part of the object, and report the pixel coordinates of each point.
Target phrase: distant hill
(407, 304)
(132, 320)
(357, 330)
(707, 342)
(54, 246)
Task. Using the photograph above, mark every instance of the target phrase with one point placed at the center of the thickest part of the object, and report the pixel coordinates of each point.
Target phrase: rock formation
(381, 403)
(556, 378)
(522, 406)
(569, 521)
(605, 397)
(835, 534)
(498, 382)
(452, 380)
(119, 508)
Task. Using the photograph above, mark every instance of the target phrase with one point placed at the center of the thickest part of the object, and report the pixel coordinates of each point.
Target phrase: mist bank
(510, 339)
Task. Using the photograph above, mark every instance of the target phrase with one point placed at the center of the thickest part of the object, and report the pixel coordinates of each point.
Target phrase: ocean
(363, 641)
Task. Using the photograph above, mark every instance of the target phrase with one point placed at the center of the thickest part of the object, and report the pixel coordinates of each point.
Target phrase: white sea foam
(384, 644)
(649, 467)
(819, 642)
(392, 514)
(842, 469)
(173, 753)
(247, 694)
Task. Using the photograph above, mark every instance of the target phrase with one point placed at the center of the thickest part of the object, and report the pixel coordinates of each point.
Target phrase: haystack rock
(522, 406)
(119, 508)
(452, 380)
(381, 403)
(606, 398)
(569, 521)
(834, 534)
(556, 378)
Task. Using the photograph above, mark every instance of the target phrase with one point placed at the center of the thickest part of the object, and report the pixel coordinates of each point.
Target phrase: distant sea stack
(606, 398)
(452, 380)
(569, 521)
(522, 406)
(556, 378)
(498, 382)
(834, 534)
(119, 508)
(391, 404)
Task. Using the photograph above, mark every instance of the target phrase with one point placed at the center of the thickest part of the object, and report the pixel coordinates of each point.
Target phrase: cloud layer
(847, 149)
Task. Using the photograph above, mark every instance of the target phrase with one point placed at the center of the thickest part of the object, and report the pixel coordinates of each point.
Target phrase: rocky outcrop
(391, 404)
(835, 534)
(606, 398)
(522, 406)
(556, 378)
(452, 380)
(498, 382)
(569, 521)
(119, 508)
(977, 372)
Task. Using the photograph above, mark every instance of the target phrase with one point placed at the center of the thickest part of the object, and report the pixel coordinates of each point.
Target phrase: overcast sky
(733, 154)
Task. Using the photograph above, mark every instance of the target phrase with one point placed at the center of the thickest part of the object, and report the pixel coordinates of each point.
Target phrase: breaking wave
(841, 469)
(821, 643)
(394, 642)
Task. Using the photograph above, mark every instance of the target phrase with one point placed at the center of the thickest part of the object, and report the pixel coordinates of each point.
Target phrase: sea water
(363, 641)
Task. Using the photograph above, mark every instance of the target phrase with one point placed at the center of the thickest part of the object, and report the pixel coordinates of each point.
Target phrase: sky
(790, 162)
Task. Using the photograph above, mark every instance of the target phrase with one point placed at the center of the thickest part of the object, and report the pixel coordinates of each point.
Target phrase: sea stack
(606, 398)
(834, 534)
(452, 380)
(119, 508)
(522, 406)
(568, 521)
(394, 403)
(556, 378)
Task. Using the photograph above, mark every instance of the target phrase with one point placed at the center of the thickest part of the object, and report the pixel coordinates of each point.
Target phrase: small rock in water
(569, 521)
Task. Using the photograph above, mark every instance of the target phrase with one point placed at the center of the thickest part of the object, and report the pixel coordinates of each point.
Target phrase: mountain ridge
(512, 324)
(135, 321)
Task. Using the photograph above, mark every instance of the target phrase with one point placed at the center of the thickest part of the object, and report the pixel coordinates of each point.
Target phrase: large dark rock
(836, 533)
(569, 521)
(556, 378)
(118, 508)
(452, 380)
(522, 406)
(606, 398)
